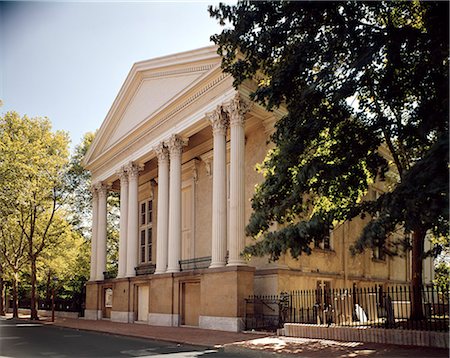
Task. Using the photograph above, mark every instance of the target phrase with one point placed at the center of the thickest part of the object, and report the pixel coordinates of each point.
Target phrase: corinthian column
(133, 219)
(93, 275)
(175, 145)
(236, 110)
(123, 176)
(102, 191)
(163, 208)
(219, 124)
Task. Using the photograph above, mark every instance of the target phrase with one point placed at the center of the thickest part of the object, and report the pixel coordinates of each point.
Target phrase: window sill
(324, 251)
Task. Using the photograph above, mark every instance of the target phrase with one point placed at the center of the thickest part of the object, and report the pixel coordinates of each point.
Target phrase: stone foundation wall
(369, 335)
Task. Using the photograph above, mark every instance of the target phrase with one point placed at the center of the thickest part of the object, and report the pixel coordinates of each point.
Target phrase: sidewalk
(262, 345)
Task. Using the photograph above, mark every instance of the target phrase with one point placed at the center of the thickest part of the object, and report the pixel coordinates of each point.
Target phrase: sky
(67, 60)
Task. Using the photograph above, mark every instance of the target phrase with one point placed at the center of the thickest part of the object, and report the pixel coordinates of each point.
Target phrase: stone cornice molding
(218, 120)
(162, 153)
(196, 95)
(160, 116)
(175, 144)
(180, 71)
(103, 167)
(198, 60)
(236, 109)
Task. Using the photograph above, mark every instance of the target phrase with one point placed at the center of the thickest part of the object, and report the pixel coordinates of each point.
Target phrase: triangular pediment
(151, 86)
(151, 95)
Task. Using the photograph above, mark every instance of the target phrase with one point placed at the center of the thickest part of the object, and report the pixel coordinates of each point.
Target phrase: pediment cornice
(202, 62)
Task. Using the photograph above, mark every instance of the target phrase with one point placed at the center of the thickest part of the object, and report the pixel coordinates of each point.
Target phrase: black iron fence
(385, 307)
(60, 305)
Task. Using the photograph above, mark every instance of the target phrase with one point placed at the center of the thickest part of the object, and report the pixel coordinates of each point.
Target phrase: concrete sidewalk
(184, 335)
(261, 345)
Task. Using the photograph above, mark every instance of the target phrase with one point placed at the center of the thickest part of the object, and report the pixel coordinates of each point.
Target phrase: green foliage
(442, 278)
(34, 197)
(78, 182)
(354, 77)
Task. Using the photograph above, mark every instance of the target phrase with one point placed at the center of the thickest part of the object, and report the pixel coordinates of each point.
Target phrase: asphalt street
(25, 339)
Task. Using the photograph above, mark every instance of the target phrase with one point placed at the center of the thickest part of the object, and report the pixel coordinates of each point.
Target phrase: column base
(124, 317)
(217, 264)
(163, 319)
(230, 324)
(93, 314)
(159, 272)
(172, 270)
(237, 263)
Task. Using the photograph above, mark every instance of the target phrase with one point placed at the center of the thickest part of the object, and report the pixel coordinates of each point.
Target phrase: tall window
(145, 231)
(378, 251)
(326, 242)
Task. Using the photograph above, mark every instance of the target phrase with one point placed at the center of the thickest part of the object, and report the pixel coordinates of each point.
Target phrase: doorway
(190, 303)
(142, 306)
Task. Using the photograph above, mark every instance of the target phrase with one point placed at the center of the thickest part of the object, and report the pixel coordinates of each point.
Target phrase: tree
(78, 185)
(67, 261)
(354, 77)
(13, 257)
(442, 279)
(34, 158)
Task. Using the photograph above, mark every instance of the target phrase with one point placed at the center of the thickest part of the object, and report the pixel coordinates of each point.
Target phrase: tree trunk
(34, 314)
(418, 239)
(15, 296)
(2, 296)
(48, 290)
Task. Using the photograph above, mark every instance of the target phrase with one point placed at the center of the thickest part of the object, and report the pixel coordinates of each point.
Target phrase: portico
(171, 159)
(169, 154)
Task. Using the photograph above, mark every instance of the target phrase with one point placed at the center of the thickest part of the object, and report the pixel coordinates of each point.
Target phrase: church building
(180, 144)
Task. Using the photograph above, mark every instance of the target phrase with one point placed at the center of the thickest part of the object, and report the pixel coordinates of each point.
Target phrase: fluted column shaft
(175, 145)
(219, 201)
(133, 219)
(101, 231)
(237, 182)
(93, 272)
(123, 176)
(163, 209)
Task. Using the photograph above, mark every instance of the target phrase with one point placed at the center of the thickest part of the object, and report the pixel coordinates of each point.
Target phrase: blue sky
(67, 60)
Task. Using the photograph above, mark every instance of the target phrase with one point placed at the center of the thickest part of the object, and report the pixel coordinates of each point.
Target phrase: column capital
(175, 144)
(93, 190)
(236, 109)
(218, 120)
(102, 189)
(162, 153)
(133, 170)
(123, 175)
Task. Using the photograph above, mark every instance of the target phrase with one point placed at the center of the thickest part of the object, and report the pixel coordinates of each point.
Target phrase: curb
(237, 349)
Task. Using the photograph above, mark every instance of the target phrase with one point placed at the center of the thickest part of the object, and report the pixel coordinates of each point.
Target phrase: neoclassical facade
(180, 144)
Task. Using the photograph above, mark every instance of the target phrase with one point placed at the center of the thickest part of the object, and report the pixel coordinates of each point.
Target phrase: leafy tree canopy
(355, 78)
(32, 167)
